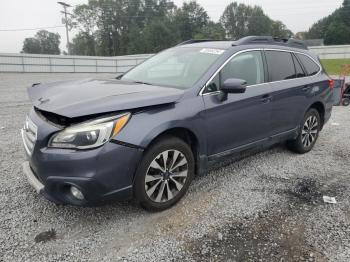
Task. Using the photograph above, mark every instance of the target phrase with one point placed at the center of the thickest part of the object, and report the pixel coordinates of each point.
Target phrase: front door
(241, 119)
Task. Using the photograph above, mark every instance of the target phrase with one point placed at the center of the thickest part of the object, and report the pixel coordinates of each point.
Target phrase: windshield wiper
(144, 83)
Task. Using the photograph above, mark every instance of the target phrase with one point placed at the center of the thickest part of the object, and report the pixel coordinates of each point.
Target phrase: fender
(321, 95)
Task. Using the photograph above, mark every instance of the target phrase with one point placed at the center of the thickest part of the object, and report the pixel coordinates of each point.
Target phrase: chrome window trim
(201, 92)
(316, 62)
(221, 67)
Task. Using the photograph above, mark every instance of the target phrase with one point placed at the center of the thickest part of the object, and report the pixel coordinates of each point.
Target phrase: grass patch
(333, 66)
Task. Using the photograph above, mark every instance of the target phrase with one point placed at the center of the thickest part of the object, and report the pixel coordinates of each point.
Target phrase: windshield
(176, 67)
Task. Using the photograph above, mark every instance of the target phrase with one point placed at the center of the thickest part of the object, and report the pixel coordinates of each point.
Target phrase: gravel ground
(264, 207)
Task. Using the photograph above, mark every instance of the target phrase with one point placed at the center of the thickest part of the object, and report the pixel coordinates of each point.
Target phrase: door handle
(266, 99)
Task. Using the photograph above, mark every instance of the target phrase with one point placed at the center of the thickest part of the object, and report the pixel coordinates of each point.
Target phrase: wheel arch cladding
(321, 110)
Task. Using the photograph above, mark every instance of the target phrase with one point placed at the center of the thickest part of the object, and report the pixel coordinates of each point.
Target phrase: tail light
(331, 84)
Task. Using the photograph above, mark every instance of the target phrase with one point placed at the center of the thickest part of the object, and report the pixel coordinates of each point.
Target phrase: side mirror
(232, 86)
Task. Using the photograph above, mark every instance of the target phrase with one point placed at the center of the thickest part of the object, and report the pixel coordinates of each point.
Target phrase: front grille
(29, 135)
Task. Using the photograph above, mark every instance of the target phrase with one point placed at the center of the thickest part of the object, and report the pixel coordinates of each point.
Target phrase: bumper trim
(38, 186)
(24, 143)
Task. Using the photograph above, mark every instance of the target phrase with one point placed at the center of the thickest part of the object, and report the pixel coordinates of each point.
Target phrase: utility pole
(66, 22)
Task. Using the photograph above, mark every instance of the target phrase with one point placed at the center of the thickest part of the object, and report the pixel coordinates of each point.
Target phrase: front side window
(247, 66)
(178, 67)
(280, 65)
(310, 66)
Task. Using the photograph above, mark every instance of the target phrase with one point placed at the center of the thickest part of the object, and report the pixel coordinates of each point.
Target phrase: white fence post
(65, 64)
(83, 64)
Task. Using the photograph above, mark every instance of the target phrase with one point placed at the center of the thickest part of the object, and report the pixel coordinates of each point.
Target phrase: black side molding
(127, 144)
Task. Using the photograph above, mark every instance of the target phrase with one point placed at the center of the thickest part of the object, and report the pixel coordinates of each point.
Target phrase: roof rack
(193, 41)
(251, 40)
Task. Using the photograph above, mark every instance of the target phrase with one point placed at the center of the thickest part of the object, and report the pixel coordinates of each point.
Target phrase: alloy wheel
(309, 131)
(166, 176)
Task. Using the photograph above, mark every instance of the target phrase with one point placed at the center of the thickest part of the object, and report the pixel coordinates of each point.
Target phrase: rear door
(288, 90)
(241, 119)
(317, 83)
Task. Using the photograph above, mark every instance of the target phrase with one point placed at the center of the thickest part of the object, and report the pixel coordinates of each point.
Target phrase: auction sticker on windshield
(212, 51)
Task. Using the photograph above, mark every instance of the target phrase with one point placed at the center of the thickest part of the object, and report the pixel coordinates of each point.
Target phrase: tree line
(334, 29)
(119, 27)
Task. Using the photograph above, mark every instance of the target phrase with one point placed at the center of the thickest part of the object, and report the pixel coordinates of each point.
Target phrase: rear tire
(164, 174)
(346, 102)
(308, 133)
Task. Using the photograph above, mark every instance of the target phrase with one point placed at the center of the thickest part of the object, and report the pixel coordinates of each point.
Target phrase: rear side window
(298, 69)
(280, 65)
(310, 66)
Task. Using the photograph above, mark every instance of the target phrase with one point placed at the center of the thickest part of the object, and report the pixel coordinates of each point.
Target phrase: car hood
(93, 96)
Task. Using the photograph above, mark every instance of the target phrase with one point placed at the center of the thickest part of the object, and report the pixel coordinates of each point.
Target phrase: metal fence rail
(68, 64)
(98, 64)
(332, 51)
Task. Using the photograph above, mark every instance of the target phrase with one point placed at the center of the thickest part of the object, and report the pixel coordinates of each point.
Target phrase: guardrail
(332, 51)
(24, 63)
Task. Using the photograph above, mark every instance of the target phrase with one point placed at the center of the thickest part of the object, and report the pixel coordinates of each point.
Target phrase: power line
(30, 29)
(142, 16)
(132, 3)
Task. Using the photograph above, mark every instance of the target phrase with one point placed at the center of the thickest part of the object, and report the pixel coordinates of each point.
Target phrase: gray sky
(298, 15)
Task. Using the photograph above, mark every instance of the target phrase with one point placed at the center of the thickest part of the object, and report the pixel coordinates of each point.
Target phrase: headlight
(89, 134)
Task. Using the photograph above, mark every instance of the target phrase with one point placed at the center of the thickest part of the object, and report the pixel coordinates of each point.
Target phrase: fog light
(76, 193)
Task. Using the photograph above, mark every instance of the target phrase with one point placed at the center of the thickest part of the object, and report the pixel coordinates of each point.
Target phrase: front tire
(164, 174)
(346, 102)
(308, 133)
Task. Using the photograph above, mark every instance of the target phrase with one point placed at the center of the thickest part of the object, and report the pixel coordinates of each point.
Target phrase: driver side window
(247, 66)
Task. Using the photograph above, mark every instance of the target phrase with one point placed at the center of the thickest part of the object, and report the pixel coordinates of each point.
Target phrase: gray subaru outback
(146, 134)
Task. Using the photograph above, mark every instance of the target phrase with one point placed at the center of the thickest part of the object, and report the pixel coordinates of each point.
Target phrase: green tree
(44, 42)
(49, 42)
(158, 35)
(84, 19)
(118, 27)
(241, 20)
(337, 33)
(191, 19)
(235, 20)
(317, 30)
(83, 44)
(280, 30)
(333, 28)
(155, 29)
(31, 45)
(346, 12)
(213, 31)
(259, 23)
